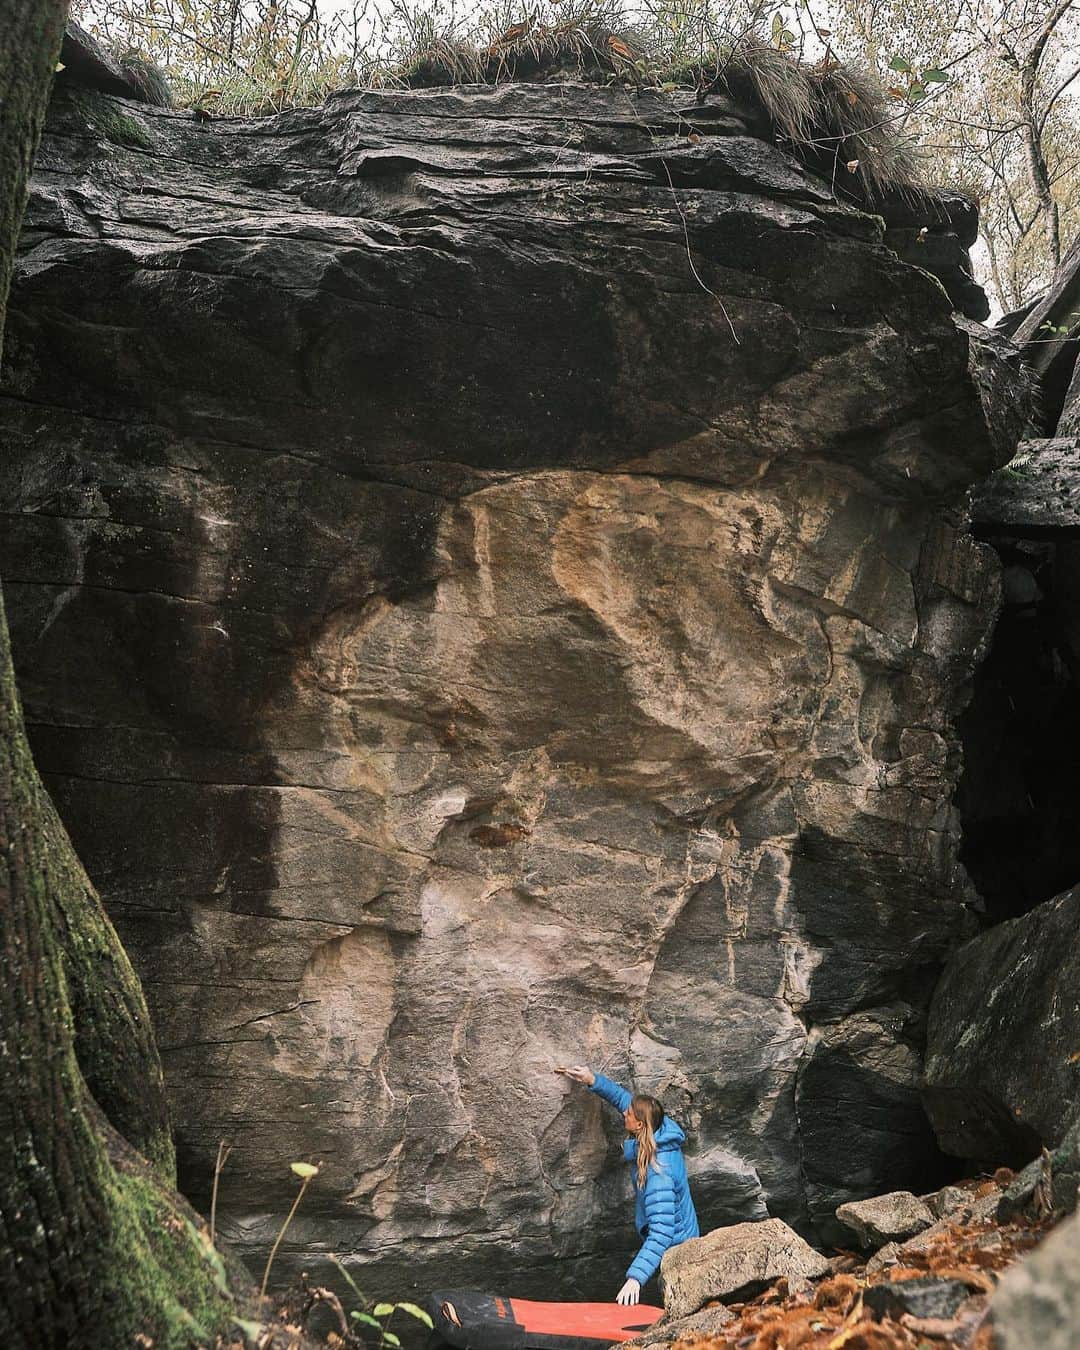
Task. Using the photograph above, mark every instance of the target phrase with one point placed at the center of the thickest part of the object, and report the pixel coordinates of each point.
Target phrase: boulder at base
(708, 1322)
(885, 1218)
(736, 1263)
(1002, 1073)
(1038, 1301)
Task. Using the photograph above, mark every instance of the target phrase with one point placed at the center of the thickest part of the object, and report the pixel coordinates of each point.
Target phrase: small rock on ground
(885, 1218)
(921, 1297)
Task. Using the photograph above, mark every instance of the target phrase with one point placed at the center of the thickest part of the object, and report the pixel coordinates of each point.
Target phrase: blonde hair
(651, 1115)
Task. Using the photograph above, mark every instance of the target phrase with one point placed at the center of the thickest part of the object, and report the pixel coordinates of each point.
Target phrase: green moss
(114, 1042)
(97, 1248)
(104, 117)
(169, 1283)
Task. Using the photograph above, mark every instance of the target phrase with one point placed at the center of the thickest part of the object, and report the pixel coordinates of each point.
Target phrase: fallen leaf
(515, 31)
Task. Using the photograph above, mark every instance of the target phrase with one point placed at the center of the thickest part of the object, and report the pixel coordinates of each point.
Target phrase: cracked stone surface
(463, 637)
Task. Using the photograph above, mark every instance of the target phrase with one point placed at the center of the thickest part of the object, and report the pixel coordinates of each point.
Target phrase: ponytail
(651, 1114)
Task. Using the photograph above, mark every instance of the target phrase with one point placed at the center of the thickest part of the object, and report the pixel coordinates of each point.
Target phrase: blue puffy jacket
(663, 1211)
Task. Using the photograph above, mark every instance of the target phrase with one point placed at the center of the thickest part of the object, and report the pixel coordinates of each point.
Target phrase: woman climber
(663, 1210)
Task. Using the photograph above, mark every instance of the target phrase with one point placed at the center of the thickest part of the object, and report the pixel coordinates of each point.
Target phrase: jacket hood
(669, 1135)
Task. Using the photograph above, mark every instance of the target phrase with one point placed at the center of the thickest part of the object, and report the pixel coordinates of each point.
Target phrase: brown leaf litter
(833, 1315)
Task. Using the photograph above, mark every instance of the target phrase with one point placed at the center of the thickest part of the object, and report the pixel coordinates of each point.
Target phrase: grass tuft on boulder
(835, 118)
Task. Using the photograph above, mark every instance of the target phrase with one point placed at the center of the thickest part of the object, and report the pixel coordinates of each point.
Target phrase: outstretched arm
(660, 1218)
(612, 1093)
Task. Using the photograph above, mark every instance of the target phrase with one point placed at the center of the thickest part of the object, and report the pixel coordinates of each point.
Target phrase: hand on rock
(629, 1294)
(580, 1074)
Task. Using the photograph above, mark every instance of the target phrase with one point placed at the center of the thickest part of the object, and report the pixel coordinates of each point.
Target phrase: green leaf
(252, 1330)
(916, 92)
(348, 1279)
(390, 1338)
(383, 1309)
(418, 1313)
(898, 63)
(366, 1318)
(935, 76)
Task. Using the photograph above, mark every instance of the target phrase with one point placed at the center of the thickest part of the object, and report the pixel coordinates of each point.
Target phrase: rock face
(736, 1263)
(481, 605)
(1002, 1072)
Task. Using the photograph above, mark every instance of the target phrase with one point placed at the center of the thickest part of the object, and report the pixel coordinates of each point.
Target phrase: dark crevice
(1018, 798)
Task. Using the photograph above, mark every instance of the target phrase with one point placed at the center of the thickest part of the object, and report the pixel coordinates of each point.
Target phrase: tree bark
(95, 1246)
(1034, 150)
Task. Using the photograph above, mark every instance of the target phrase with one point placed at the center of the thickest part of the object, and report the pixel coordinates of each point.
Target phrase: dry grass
(835, 118)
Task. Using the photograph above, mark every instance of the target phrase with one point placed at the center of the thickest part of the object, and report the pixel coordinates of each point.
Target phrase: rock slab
(736, 1263)
(1036, 495)
(1002, 1068)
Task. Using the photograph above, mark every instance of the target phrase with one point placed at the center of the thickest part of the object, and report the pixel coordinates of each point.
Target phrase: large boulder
(1002, 1076)
(1037, 1304)
(84, 62)
(734, 1264)
(487, 591)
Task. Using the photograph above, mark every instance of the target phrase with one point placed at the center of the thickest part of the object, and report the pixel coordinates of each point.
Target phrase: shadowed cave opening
(1017, 797)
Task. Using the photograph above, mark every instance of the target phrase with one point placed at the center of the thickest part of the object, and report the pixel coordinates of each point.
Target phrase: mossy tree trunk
(95, 1246)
